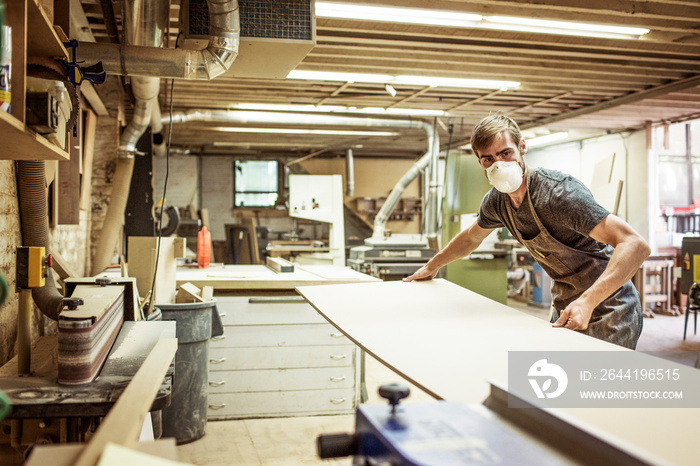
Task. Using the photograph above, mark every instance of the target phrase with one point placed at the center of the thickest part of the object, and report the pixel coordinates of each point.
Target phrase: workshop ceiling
(584, 84)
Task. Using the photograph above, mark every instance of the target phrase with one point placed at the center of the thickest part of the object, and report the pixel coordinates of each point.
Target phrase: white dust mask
(505, 176)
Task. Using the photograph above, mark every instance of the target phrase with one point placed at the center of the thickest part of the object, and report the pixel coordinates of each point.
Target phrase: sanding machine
(444, 433)
(88, 325)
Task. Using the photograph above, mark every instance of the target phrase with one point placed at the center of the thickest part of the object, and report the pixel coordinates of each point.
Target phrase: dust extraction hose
(33, 207)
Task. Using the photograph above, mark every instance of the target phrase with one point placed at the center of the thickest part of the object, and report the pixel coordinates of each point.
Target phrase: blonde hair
(487, 130)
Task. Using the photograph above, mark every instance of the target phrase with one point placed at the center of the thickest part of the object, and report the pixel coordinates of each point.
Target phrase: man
(590, 254)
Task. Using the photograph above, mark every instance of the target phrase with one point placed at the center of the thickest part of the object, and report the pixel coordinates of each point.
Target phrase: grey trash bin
(186, 417)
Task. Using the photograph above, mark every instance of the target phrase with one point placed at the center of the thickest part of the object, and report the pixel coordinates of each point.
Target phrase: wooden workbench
(226, 278)
(450, 342)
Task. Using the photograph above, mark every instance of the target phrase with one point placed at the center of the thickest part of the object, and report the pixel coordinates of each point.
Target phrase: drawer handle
(217, 384)
(219, 338)
(222, 405)
(337, 335)
(337, 401)
(337, 379)
(338, 356)
(222, 314)
(217, 361)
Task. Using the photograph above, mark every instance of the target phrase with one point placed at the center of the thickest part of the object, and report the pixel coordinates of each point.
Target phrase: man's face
(503, 148)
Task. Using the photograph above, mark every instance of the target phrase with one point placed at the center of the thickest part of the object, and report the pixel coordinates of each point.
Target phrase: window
(679, 165)
(255, 183)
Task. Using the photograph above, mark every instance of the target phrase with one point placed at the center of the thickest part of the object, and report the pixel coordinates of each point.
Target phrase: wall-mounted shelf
(33, 37)
(21, 143)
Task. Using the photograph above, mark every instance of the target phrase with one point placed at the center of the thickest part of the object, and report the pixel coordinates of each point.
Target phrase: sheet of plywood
(441, 337)
(450, 341)
(260, 277)
(88, 151)
(142, 260)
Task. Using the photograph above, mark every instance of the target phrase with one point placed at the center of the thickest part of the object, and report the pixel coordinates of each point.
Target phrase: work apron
(618, 319)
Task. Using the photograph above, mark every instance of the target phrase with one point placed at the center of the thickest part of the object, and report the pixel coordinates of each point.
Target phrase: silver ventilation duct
(349, 173)
(145, 25)
(135, 59)
(243, 117)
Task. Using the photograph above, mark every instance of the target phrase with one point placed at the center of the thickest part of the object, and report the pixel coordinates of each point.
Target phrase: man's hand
(576, 316)
(422, 274)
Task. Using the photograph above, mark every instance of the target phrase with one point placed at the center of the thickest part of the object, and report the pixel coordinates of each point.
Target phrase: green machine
(485, 271)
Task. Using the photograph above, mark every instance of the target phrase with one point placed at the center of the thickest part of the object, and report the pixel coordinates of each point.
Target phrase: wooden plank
(123, 423)
(280, 265)
(188, 293)
(142, 256)
(61, 266)
(16, 17)
(42, 39)
(93, 98)
(69, 182)
(449, 341)
(88, 152)
(252, 225)
(65, 454)
(26, 144)
(259, 277)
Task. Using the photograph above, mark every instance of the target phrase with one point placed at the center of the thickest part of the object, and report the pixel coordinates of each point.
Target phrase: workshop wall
(374, 178)
(10, 238)
(183, 181)
(600, 163)
(217, 193)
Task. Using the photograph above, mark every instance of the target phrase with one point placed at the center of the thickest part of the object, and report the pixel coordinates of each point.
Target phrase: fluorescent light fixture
(467, 20)
(546, 139)
(338, 109)
(390, 89)
(562, 27)
(402, 79)
(339, 76)
(396, 15)
(566, 25)
(325, 132)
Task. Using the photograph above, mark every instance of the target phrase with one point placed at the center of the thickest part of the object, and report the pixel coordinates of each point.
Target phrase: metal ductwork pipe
(157, 130)
(349, 173)
(145, 26)
(391, 201)
(243, 117)
(135, 59)
(33, 206)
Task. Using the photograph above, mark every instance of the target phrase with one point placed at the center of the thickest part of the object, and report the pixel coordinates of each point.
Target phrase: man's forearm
(624, 263)
(460, 246)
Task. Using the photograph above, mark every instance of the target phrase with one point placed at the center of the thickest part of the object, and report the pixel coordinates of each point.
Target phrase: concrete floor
(291, 441)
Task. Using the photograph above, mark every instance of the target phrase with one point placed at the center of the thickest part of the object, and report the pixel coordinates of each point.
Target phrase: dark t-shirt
(563, 204)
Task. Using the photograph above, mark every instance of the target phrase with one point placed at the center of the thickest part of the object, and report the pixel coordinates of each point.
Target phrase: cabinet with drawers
(279, 357)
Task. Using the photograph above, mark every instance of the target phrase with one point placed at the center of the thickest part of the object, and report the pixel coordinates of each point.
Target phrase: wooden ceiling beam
(627, 99)
(510, 40)
(411, 97)
(471, 55)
